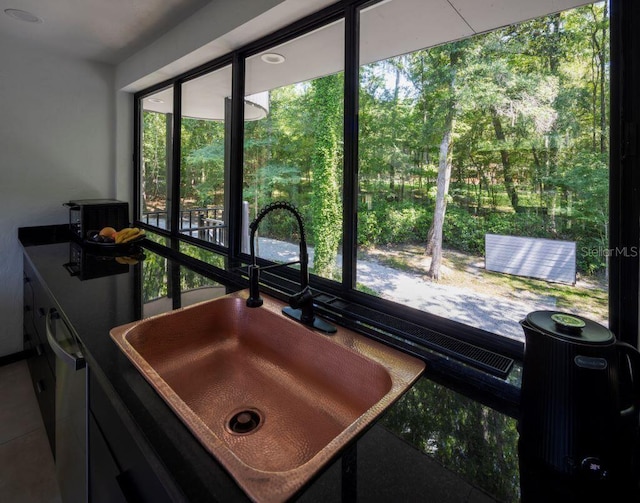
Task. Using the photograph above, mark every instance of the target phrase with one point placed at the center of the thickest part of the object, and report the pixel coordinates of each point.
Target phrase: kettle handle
(633, 356)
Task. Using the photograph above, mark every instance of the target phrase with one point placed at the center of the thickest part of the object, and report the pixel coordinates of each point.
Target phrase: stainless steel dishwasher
(71, 409)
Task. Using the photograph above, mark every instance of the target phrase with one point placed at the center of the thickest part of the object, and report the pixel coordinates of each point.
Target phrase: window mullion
(174, 190)
(137, 158)
(350, 171)
(236, 156)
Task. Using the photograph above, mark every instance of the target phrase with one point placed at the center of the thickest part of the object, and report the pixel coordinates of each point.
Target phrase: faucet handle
(301, 309)
(303, 300)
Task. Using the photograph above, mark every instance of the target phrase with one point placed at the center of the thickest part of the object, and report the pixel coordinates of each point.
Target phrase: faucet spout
(301, 304)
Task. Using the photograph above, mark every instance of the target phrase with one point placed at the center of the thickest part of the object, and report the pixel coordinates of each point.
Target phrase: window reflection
(167, 285)
(470, 439)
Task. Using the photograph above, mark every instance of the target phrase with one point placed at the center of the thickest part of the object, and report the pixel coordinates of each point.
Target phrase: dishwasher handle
(74, 361)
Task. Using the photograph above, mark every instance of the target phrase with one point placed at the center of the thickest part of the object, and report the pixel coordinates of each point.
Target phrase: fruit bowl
(93, 240)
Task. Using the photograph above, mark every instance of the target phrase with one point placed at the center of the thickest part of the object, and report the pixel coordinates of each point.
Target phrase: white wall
(57, 130)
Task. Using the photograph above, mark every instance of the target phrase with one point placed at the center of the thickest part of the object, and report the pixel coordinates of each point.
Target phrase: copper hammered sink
(272, 400)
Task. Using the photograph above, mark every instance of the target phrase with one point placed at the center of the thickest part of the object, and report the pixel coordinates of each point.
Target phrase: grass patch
(365, 289)
(395, 262)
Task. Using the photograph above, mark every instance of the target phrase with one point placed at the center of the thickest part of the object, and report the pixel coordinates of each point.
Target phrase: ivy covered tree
(326, 209)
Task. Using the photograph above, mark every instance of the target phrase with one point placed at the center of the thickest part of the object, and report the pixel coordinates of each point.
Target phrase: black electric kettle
(580, 397)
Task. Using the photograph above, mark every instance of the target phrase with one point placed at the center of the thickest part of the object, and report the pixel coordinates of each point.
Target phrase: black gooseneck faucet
(300, 304)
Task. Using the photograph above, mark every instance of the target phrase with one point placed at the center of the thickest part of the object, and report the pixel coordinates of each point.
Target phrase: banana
(127, 260)
(124, 233)
(133, 235)
(119, 235)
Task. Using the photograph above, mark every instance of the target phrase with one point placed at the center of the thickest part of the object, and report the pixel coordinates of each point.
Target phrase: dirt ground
(588, 295)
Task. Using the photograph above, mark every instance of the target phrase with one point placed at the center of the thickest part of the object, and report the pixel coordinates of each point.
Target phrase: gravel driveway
(490, 313)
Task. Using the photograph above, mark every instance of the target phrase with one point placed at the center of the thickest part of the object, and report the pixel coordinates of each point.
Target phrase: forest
(506, 132)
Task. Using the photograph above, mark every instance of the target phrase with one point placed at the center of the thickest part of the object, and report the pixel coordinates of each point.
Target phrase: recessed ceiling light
(155, 100)
(272, 58)
(23, 15)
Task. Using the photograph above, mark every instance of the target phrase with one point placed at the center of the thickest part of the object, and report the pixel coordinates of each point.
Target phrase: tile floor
(27, 470)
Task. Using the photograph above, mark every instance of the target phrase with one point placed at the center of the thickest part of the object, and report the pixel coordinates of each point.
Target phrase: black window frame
(624, 203)
(176, 84)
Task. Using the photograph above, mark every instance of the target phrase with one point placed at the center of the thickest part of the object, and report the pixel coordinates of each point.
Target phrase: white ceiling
(107, 31)
(110, 31)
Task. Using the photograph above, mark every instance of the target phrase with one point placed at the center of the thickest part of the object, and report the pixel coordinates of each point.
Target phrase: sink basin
(272, 400)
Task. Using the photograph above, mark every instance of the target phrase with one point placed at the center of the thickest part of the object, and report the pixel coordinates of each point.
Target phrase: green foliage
(204, 255)
(326, 210)
(393, 223)
(276, 181)
(390, 223)
(154, 160)
(202, 162)
(529, 144)
(586, 182)
(368, 229)
(156, 275)
(466, 232)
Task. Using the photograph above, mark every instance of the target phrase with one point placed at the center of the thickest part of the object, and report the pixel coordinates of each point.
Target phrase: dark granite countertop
(434, 444)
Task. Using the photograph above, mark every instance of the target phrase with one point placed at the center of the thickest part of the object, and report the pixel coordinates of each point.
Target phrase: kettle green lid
(568, 321)
(570, 327)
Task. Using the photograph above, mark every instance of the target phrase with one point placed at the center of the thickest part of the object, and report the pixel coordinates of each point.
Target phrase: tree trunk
(444, 177)
(507, 169)
(434, 243)
(603, 60)
(394, 118)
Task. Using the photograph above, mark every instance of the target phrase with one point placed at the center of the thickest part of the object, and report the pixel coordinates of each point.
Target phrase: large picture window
(484, 166)
(198, 203)
(476, 160)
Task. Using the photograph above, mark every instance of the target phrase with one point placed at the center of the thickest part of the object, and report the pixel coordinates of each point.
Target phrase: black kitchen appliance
(580, 398)
(93, 214)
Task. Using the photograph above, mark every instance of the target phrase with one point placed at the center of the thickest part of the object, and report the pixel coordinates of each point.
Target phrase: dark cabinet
(118, 471)
(103, 470)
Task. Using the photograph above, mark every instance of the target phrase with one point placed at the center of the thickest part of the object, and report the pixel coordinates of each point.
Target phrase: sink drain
(244, 421)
